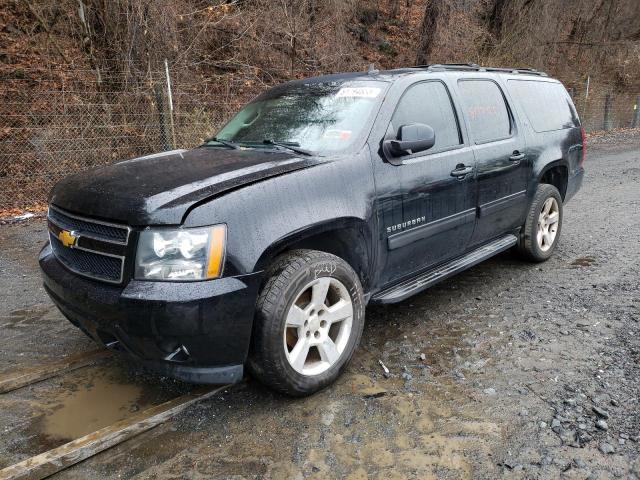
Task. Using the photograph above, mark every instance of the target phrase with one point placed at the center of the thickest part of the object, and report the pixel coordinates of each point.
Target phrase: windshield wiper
(293, 146)
(226, 143)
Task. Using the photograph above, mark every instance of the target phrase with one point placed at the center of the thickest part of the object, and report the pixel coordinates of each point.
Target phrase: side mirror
(412, 138)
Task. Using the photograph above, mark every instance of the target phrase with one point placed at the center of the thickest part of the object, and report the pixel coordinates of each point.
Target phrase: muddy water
(586, 261)
(51, 413)
(96, 404)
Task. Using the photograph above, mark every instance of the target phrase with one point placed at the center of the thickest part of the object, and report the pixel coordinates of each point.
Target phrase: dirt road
(509, 370)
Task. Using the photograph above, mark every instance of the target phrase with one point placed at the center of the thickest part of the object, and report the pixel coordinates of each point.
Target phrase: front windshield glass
(315, 116)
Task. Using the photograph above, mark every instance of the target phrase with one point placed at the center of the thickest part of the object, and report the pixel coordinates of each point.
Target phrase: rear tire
(541, 231)
(309, 320)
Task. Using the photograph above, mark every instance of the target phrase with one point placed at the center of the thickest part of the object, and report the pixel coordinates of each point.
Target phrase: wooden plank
(30, 376)
(69, 454)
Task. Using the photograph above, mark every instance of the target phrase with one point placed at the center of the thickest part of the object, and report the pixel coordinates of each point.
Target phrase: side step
(409, 287)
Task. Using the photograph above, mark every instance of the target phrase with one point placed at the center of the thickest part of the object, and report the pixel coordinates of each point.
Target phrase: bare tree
(435, 16)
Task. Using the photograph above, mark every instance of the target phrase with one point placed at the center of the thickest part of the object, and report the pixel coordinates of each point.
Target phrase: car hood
(159, 189)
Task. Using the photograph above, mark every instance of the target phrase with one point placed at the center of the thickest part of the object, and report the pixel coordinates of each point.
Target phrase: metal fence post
(635, 123)
(607, 112)
(173, 132)
(164, 137)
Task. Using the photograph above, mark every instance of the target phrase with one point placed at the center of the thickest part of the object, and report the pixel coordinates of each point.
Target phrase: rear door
(426, 214)
(503, 168)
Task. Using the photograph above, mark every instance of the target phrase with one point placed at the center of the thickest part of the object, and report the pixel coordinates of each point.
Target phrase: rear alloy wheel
(548, 222)
(541, 231)
(309, 320)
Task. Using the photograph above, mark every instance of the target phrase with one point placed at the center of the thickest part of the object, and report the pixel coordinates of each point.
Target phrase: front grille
(98, 250)
(87, 263)
(88, 228)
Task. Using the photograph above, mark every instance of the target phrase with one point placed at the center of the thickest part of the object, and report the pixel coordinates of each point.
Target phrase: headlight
(181, 253)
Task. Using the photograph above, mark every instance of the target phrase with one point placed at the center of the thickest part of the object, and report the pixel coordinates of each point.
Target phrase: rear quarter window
(547, 105)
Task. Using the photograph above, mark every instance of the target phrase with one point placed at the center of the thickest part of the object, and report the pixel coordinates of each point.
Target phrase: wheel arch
(347, 238)
(557, 174)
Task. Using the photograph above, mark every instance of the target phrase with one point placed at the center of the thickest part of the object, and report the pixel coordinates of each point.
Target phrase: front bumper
(195, 331)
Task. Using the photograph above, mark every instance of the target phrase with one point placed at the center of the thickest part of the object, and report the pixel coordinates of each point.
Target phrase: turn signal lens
(217, 241)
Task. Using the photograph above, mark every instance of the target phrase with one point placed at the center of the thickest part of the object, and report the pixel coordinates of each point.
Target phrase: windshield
(314, 116)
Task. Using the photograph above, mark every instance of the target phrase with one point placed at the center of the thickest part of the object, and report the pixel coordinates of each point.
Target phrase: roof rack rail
(477, 68)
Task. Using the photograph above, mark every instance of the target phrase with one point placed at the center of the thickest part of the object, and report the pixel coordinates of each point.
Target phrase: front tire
(541, 231)
(309, 320)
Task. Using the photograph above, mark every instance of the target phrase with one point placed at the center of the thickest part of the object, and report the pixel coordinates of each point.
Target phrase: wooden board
(29, 376)
(69, 454)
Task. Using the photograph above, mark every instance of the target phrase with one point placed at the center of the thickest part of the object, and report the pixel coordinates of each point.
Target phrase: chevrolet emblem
(68, 238)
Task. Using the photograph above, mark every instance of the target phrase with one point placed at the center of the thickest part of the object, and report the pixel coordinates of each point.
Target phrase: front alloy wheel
(309, 320)
(318, 326)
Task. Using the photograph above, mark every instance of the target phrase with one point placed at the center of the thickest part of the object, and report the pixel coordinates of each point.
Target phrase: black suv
(263, 246)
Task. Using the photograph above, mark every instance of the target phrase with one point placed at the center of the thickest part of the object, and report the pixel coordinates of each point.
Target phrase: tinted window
(428, 103)
(485, 110)
(547, 105)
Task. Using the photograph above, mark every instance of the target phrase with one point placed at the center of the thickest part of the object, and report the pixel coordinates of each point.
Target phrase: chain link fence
(54, 123)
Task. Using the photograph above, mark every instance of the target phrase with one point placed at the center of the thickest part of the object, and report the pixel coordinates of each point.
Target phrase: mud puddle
(52, 413)
(586, 261)
(100, 402)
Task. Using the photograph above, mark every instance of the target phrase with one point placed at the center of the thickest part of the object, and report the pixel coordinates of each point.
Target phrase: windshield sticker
(337, 134)
(358, 92)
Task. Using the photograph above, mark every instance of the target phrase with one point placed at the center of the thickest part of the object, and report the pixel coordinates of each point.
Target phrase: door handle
(461, 171)
(516, 156)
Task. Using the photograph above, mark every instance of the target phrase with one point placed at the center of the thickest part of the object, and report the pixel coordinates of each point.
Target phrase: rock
(570, 401)
(423, 357)
(542, 424)
(459, 375)
(602, 425)
(621, 441)
(584, 438)
(600, 412)
(546, 460)
(512, 465)
(568, 437)
(555, 423)
(624, 435)
(614, 402)
(606, 448)
(579, 463)
(407, 376)
(490, 391)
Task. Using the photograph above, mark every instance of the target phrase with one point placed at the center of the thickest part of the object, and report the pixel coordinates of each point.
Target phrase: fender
(347, 237)
(266, 217)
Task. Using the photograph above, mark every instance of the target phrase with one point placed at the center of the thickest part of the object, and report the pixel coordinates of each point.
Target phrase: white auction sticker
(362, 92)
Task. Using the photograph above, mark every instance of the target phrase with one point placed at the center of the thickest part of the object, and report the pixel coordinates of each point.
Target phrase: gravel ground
(508, 370)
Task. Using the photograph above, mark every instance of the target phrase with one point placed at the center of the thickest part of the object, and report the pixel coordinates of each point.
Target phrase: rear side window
(547, 105)
(486, 110)
(429, 103)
